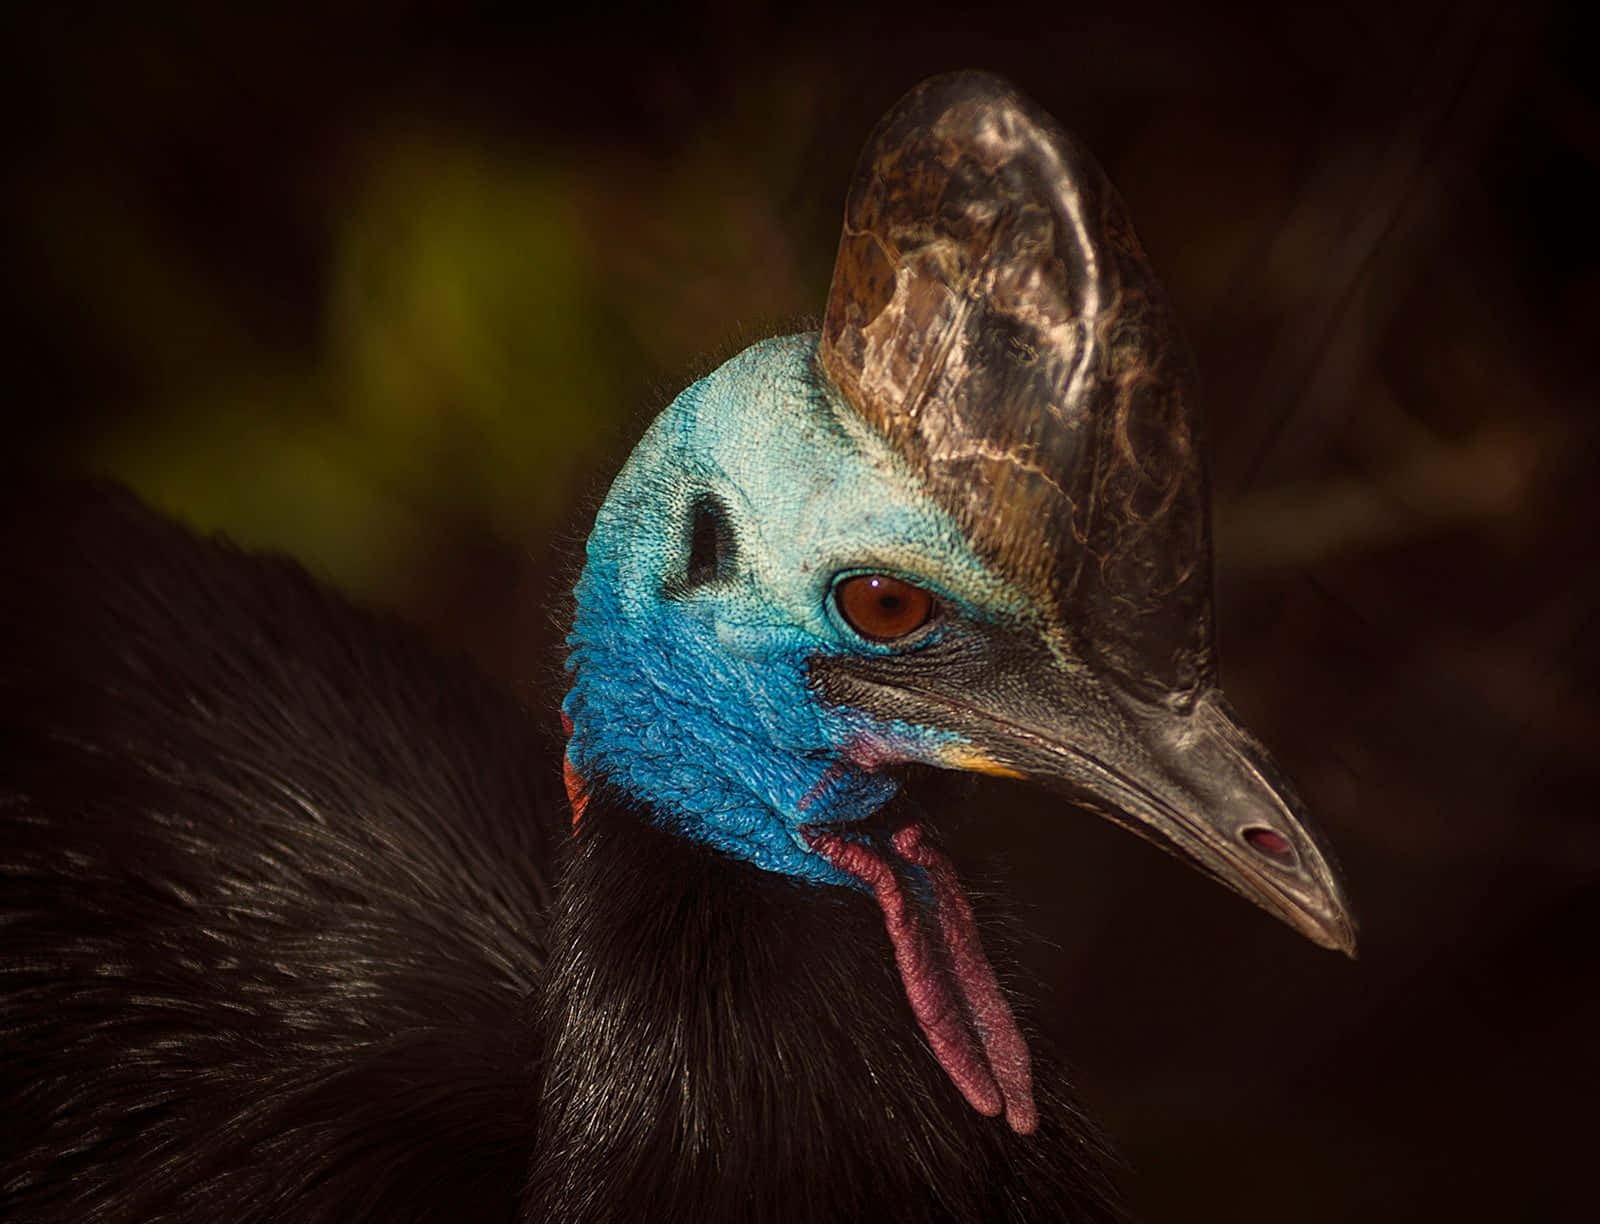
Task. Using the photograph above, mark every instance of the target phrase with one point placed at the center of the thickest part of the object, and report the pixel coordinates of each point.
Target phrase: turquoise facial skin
(695, 700)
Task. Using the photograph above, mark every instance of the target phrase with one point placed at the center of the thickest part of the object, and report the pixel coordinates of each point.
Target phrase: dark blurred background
(393, 286)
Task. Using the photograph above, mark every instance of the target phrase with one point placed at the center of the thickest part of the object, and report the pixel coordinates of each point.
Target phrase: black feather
(275, 892)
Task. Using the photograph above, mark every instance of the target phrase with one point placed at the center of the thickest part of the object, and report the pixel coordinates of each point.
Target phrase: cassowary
(297, 928)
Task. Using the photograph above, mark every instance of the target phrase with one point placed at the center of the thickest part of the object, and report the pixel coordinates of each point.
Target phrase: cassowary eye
(882, 608)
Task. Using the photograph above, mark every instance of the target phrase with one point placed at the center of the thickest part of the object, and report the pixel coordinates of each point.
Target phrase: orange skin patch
(577, 792)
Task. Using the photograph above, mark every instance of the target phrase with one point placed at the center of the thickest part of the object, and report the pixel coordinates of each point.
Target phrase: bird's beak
(1185, 775)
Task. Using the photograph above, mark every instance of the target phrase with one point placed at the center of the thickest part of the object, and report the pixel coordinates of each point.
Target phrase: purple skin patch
(952, 989)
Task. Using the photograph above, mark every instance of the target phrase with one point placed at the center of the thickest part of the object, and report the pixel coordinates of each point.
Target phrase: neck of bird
(768, 1042)
(761, 973)
(701, 721)
(708, 738)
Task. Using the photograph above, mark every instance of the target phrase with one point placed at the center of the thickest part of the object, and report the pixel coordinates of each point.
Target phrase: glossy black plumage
(771, 1068)
(275, 891)
(279, 942)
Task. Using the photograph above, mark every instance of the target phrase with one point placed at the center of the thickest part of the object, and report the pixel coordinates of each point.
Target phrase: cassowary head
(966, 526)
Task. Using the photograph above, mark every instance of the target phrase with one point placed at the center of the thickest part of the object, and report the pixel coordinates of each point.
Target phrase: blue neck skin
(695, 698)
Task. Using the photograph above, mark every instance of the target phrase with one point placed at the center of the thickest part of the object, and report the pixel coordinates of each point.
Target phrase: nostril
(1269, 842)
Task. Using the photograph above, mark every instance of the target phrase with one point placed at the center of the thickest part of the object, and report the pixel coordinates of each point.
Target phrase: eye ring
(883, 608)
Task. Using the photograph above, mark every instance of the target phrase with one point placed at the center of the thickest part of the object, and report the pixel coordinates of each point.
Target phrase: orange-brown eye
(883, 608)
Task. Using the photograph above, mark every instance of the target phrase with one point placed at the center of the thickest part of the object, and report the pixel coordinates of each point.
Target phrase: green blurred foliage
(463, 369)
(486, 312)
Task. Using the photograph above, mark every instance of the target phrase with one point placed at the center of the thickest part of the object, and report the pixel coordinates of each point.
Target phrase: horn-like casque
(993, 315)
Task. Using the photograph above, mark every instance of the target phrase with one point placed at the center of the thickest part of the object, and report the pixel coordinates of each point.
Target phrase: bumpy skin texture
(993, 315)
(698, 696)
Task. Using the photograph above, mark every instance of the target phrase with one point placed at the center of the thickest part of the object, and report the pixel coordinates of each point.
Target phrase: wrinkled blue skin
(697, 700)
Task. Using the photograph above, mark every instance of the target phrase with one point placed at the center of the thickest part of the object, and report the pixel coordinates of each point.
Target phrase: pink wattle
(953, 991)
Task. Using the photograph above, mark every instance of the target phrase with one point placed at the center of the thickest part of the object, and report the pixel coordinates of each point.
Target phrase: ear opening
(711, 542)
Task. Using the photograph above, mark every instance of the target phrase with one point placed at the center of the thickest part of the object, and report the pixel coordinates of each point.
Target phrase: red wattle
(970, 1027)
(1003, 1044)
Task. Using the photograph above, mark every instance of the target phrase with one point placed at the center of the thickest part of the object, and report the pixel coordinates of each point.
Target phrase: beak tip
(1337, 933)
